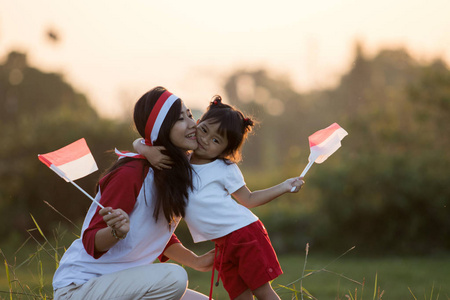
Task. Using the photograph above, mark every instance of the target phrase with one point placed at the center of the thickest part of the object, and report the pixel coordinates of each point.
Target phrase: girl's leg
(246, 295)
(154, 281)
(266, 292)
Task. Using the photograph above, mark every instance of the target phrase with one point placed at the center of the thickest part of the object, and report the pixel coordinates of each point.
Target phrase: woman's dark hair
(171, 184)
(232, 124)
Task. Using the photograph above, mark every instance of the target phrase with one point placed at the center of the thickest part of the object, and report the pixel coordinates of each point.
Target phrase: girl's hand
(205, 262)
(154, 155)
(295, 184)
(184, 256)
(116, 219)
(156, 158)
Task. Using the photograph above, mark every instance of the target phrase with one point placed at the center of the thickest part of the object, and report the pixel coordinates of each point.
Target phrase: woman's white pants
(154, 281)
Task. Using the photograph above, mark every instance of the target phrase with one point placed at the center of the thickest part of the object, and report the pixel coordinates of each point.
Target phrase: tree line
(384, 191)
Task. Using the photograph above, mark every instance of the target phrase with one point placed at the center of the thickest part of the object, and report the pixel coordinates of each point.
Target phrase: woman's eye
(189, 114)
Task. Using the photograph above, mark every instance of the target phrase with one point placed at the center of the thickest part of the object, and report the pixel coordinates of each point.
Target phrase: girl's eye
(216, 141)
(203, 129)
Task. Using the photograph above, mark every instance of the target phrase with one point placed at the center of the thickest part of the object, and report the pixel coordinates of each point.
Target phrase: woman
(114, 257)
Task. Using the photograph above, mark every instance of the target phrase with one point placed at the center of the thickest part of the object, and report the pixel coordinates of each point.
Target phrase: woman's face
(183, 132)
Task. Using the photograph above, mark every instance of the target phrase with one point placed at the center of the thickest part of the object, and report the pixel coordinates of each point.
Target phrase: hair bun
(248, 124)
(216, 101)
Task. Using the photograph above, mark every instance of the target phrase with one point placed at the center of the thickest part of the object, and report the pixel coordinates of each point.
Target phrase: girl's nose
(204, 139)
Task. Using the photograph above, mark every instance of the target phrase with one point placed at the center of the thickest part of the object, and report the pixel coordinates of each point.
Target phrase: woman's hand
(116, 219)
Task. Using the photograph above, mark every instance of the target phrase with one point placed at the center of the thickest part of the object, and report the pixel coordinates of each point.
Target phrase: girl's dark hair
(232, 124)
(171, 185)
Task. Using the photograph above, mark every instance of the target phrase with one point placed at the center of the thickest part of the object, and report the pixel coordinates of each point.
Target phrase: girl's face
(210, 143)
(183, 132)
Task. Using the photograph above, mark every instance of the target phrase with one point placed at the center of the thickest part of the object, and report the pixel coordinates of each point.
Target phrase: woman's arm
(153, 154)
(253, 199)
(118, 223)
(184, 256)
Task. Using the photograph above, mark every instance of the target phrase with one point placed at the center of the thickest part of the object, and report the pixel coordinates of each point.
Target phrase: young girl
(113, 258)
(246, 260)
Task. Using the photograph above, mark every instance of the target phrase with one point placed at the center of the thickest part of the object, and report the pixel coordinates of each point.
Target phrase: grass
(28, 274)
(396, 277)
(399, 277)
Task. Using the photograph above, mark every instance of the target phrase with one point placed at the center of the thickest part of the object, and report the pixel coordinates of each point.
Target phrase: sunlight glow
(107, 47)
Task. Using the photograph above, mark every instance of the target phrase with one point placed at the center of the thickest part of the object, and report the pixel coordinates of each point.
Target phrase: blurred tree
(386, 190)
(274, 104)
(390, 196)
(40, 113)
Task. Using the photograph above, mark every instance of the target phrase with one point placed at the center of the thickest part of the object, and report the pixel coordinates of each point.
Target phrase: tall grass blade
(292, 289)
(350, 295)
(375, 288)
(56, 260)
(341, 275)
(38, 228)
(412, 294)
(336, 259)
(70, 221)
(324, 269)
(303, 272)
(9, 280)
(362, 288)
(41, 276)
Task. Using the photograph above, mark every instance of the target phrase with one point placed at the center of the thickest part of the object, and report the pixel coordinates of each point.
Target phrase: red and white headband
(157, 116)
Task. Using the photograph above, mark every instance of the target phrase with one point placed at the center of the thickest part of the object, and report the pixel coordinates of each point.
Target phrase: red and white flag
(71, 162)
(323, 143)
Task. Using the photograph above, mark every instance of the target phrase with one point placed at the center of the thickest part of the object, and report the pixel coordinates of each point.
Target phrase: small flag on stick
(72, 162)
(323, 143)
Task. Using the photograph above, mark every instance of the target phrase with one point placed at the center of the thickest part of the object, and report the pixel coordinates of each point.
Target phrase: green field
(426, 277)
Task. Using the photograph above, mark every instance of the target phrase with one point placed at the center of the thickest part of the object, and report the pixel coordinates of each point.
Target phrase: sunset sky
(114, 51)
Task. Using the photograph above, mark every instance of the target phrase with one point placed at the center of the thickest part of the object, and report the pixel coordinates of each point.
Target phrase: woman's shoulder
(133, 170)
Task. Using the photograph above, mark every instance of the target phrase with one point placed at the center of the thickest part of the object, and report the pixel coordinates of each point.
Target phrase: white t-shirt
(145, 241)
(211, 212)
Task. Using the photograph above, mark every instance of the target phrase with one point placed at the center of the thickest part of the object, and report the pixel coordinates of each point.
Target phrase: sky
(114, 51)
